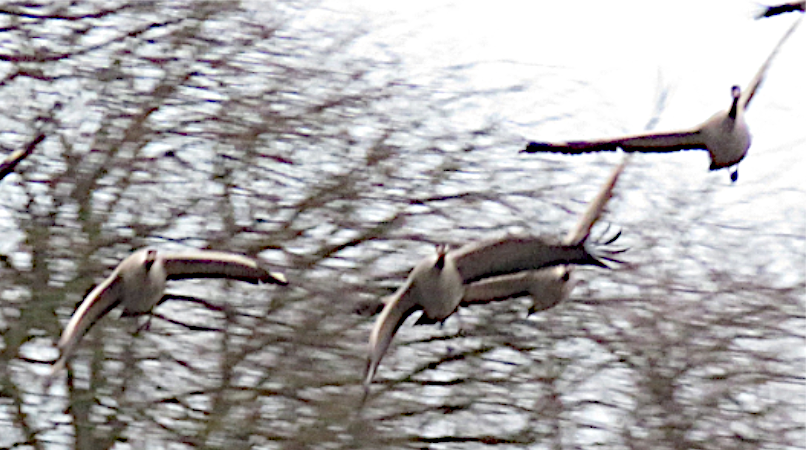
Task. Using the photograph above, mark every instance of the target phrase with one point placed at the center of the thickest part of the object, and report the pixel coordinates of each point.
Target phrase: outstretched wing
(513, 254)
(595, 208)
(105, 297)
(774, 10)
(645, 143)
(210, 264)
(11, 162)
(534, 283)
(750, 91)
(401, 305)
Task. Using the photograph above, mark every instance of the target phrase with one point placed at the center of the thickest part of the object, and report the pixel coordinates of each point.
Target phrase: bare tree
(269, 129)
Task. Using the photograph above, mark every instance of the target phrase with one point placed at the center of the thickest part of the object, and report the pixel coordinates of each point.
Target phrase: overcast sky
(618, 48)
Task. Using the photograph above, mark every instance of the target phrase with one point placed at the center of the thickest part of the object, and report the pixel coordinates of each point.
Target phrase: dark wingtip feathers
(534, 147)
(613, 239)
(602, 254)
(770, 11)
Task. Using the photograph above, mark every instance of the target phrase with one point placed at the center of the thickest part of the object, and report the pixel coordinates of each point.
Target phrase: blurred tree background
(266, 128)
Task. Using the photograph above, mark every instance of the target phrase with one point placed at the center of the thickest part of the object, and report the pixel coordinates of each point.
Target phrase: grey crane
(138, 284)
(725, 135)
(437, 284)
(547, 287)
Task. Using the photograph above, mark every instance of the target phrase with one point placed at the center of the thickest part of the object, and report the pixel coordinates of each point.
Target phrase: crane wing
(105, 297)
(400, 306)
(210, 264)
(750, 91)
(595, 208)
(513, 254)
(644, 143)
